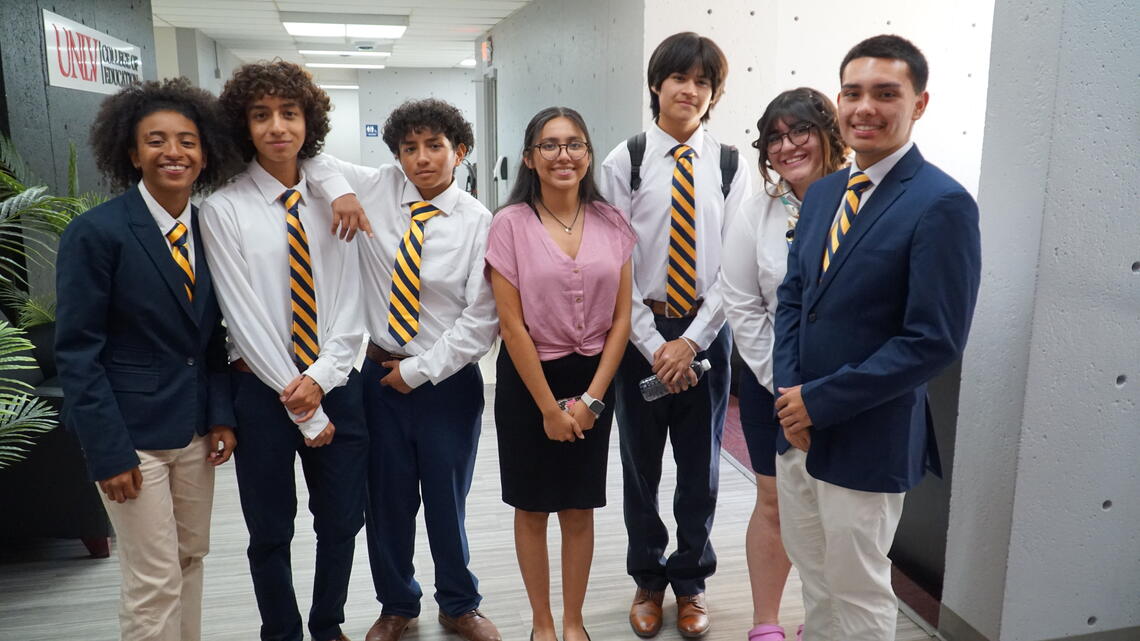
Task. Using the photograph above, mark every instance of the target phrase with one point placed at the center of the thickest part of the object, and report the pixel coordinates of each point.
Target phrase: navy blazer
(140, 366)
(891, 312)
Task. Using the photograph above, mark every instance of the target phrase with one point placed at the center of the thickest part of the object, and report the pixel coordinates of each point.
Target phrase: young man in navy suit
(881, 284)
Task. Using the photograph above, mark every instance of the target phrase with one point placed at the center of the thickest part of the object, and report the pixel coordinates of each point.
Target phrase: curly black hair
(284, 80)
(113, 132)
(802, 104)
(435, 115)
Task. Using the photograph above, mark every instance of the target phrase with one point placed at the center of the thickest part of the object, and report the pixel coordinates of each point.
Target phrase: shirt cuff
(336, 186)
(323, 372)
(411, 372)
(650, 347)
(314, 426)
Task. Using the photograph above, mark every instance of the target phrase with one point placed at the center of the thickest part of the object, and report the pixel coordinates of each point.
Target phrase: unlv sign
(81, 58)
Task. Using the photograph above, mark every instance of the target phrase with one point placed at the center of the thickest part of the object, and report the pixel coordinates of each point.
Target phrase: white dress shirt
(458, 321)
(648, 210)
(165, 221)
(243, 225)
(754, 263)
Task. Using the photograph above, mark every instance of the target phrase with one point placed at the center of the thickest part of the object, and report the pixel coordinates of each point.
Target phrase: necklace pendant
(569, 230)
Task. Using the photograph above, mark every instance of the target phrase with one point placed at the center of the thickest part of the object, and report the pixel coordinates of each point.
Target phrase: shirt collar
(657, 136)
(271, 188)
(878, 171)
(445, 201)
(162, 217)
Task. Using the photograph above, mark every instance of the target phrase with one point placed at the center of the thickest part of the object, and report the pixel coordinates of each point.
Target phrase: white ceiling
(440, 32)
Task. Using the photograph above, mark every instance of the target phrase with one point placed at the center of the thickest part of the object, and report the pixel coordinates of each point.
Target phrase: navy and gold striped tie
(180, 250)
(306, 345)
(681, 274)
(404, 300)
(855, 186)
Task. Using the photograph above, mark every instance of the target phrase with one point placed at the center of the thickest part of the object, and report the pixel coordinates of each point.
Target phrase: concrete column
(1045, 510)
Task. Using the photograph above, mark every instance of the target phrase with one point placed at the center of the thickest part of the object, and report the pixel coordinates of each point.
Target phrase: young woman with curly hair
(428, 323)
(290, 293)
(799, 142)
(141, 350)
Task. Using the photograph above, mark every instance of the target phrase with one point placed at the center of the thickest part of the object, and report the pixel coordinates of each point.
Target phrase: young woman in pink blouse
(558, 261)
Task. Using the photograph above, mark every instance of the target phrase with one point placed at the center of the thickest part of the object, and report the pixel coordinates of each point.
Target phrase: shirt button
(575, 270)
(811, 317)
(579, 325)
(190, 361)
(578, 299)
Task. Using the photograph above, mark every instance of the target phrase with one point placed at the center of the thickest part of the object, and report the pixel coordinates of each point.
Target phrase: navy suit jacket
(140, 365)
(891, 312)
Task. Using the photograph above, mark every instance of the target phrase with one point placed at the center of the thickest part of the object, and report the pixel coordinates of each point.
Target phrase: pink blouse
(567, 303)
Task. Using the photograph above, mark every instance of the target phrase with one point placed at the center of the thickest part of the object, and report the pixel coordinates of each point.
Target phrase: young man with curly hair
(431, 316)
(141, 349)
(686, 188)
(290, 293)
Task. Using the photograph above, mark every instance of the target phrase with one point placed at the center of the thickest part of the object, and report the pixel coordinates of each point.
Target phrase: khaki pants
(161, 538)
(838, 540)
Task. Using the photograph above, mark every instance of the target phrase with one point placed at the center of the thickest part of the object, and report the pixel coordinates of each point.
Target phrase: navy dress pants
(693, 420)
(422, 442)
(335, 475)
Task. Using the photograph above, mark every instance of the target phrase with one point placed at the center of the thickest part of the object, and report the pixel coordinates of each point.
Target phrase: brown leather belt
(661, 308)
(240, 366)
(379, 355)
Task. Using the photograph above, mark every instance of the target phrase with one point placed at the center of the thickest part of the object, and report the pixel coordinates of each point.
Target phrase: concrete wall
(585, 55)
(42, 119)
(1043, 534)
(382, 91)
(345, 131)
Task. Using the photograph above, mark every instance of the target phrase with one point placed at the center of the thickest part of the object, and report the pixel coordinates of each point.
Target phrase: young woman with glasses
(799, 142)
(558, 260)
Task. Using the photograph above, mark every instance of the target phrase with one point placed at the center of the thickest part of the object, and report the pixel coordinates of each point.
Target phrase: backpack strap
(729, 161)
(636, 147)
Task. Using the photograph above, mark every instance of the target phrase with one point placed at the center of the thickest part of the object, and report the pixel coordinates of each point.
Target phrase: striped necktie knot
(856, 185)
(302, 287)
(682, 151)
(404, 298)
(681, 269)
(180, 251)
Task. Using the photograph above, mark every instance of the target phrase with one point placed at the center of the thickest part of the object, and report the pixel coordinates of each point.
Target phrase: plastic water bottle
(652, 388)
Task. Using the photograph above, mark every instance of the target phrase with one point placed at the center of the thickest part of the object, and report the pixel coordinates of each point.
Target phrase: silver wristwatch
(595, 406)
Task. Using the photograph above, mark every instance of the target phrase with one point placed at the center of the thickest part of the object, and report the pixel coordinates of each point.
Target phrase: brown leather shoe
(692, 616)
(645, 613)
(471, 625)
(389, 627)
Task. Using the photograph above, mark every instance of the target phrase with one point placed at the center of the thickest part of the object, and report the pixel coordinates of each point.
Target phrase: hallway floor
(50, 591)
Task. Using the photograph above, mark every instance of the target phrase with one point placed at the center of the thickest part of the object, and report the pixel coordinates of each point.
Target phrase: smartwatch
(595, 406)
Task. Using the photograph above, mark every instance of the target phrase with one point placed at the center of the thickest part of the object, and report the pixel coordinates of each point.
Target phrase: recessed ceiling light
(468, 62)
(340, 65)
(352, 87)
(342, 25)
(348, 52)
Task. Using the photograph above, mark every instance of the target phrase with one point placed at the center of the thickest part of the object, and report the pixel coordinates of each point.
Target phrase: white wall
(1046, 433)
(165, 53)
(585, 55)
(343, 139)
(794, 43)
(382, 91)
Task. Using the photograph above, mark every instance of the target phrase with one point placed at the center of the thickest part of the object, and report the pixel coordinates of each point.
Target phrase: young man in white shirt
(430, 316)
(290, 294)
(677, 199)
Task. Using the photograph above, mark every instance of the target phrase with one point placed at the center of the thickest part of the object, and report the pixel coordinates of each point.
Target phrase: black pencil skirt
(538, 474)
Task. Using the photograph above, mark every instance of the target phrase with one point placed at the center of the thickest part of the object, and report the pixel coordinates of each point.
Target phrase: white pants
(838, 540)
(161, 537)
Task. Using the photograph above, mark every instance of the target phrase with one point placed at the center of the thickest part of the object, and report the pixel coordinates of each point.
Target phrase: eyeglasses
(797, 135)
(576, 150)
